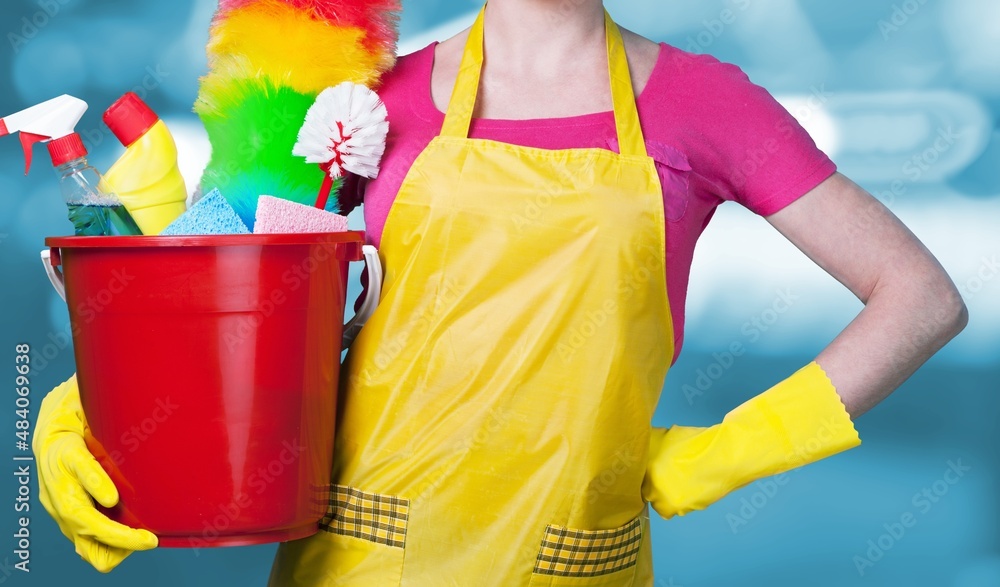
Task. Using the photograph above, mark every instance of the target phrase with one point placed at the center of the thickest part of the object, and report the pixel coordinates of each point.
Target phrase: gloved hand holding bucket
(70, 480)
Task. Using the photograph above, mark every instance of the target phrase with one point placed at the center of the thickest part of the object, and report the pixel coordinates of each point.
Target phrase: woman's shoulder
(703, 90)
(409, 70)
(674, 73)
(695, 71)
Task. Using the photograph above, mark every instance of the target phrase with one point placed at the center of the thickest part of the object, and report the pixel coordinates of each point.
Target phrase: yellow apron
(495, 410)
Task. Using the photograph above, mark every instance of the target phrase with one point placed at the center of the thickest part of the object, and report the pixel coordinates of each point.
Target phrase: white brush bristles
(346, 127)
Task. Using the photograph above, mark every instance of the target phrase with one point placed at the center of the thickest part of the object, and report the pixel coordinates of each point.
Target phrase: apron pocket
(674, 169)
(366, 536)
(369, 516)
(573, 557)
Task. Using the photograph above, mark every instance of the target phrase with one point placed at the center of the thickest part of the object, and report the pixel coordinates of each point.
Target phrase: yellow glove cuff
(804, 417)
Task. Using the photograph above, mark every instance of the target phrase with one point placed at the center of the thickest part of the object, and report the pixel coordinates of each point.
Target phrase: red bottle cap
(67, 148)
(129, 118)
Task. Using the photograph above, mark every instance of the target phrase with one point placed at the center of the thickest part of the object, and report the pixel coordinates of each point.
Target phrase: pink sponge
(278, 216)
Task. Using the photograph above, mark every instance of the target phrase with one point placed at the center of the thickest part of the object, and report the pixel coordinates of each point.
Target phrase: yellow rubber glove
(797, 421)
(68, 475)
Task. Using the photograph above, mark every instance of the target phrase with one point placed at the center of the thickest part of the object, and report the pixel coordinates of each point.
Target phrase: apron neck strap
(463, 98)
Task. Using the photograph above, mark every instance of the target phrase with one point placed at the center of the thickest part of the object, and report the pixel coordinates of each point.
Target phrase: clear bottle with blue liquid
(94, 207)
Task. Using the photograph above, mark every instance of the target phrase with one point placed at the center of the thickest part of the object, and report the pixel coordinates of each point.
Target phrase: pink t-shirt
(707, 127)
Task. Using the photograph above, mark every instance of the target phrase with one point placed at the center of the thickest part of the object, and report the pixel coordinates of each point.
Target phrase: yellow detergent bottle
(146, 177)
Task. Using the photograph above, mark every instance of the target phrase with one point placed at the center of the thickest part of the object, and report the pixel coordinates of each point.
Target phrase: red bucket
(208, 370)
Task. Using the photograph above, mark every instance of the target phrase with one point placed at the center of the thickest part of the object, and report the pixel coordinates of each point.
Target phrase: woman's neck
(544, 59)
(528, 35)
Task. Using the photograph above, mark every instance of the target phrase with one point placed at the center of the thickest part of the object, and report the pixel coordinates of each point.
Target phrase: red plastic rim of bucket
(348, 253)
(214, 240)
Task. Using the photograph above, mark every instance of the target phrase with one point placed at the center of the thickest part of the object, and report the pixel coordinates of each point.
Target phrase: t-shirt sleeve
(756, 152)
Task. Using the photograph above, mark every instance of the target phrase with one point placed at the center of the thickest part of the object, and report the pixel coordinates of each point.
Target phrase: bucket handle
(50, 262)
(374, 267)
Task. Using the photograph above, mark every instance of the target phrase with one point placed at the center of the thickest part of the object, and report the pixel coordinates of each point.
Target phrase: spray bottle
(146, 177)
(94, 209)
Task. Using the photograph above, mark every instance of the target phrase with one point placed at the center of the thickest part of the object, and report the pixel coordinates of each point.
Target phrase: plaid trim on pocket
(368, 516)
(567, 552)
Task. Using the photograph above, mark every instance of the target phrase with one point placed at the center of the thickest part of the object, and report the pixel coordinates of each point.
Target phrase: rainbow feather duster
(268, 61)
(378, 18)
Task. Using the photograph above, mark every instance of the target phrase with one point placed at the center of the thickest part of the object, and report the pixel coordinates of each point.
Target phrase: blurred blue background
(875, 82)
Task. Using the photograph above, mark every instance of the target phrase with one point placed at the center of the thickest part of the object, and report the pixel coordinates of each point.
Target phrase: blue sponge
(212, 214)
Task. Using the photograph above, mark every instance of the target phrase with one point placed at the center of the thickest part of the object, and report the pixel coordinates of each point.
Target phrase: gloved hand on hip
(796, 422)
(70, 478)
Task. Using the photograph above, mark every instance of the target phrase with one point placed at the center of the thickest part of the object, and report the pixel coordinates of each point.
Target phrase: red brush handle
(324, 190)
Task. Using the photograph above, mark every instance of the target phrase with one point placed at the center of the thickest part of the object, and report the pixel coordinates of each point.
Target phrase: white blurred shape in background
(909, 137)
(193, 148)
(811, 113)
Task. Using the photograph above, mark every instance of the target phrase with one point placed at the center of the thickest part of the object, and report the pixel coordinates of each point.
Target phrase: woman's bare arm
(912, 307)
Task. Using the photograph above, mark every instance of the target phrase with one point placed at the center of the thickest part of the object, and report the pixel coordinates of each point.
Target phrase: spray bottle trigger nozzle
(28, 140)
